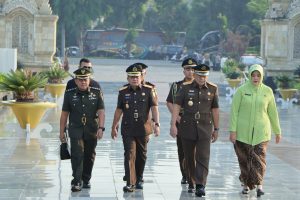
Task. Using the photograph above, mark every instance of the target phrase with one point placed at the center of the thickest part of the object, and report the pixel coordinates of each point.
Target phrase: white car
(249, 60)
(73, 51)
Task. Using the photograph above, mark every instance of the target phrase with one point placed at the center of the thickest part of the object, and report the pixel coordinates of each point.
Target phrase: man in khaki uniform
(188, 72)
(134, 103)
(141, 160)
(198, 126)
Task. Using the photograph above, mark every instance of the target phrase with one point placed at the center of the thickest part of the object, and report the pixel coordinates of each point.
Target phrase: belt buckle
(83, 120)
(197, 115)
(135, 115)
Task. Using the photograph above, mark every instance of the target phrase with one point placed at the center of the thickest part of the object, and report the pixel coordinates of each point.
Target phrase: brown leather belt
(197, 115)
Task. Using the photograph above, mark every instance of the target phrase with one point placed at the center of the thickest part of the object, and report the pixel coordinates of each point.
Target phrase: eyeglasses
(82, 80)
(89, 67)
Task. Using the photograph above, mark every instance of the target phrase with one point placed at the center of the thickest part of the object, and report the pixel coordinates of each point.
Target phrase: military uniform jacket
(82, 107)
(197, 102)
(135, 105)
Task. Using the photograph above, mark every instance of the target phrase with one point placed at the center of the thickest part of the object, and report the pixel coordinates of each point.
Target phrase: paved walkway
(34, 171)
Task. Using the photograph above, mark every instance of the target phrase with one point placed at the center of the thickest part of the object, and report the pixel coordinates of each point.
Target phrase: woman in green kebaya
(253, 117)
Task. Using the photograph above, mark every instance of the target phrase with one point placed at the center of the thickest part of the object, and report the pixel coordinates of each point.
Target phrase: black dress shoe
(139, 185)
(183, 180)
(76, 187)
(191, 188)
(86, 185)
(128, 188)
(259, 192)
(200, 191)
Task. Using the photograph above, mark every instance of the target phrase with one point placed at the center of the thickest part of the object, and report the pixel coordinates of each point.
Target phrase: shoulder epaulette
(123, 88)
(151, 84)
(127, 84)
(95, 88)
(187, 83)
(212, 84)
(148, 86)
(69, 90)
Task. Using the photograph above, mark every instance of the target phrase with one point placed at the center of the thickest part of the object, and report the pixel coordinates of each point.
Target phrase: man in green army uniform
(198, 126)
(134, 103)
(80, 106)
(188, 72)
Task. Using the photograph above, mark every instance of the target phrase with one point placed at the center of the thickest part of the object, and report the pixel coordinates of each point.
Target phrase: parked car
(73, 51)
(249, 60)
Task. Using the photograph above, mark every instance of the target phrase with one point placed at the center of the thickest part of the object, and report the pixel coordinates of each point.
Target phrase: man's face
(200, 79)
(188, 73)
(85, 64)
(134, 80)
(82, 84)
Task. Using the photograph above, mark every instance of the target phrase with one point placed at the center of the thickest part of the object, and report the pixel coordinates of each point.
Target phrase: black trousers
(135, 156)
(197, 153)
(83, 153)
(181, 158)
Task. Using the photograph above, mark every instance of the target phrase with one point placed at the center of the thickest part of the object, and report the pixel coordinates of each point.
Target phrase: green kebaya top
(253, 113)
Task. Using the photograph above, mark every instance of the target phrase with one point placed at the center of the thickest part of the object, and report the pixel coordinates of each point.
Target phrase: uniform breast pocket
(93, 103)
(75, 103)
(142, 103)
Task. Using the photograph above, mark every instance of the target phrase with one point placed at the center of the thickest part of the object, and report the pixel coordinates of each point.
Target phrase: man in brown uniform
(198, 126)
(134, 103)
(140, 160)
(188, 72)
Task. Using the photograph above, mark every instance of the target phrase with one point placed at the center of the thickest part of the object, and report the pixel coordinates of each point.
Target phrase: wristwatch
(157, 124)
(216, 129)
(103, 129)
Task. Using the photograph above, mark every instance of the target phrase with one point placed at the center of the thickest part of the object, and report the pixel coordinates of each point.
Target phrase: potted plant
(242, 67)
(231, 73)
(55, 84)
(22, 83)
(55, 74)
(285, 84)
(27, 108)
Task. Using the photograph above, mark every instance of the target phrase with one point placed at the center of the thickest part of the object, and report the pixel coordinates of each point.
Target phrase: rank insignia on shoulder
(72, 89)
(95, 88)
(147, 86)
(123, 88)
(210, 83)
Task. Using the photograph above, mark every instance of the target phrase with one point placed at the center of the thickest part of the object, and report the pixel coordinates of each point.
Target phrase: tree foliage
(169, 16)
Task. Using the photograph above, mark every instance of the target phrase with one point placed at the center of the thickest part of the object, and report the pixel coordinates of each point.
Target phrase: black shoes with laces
(86, 185)
(129, 188)
(191, 188)
(139, 185)
(76, 187)
(200, 191)
(183, 180)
